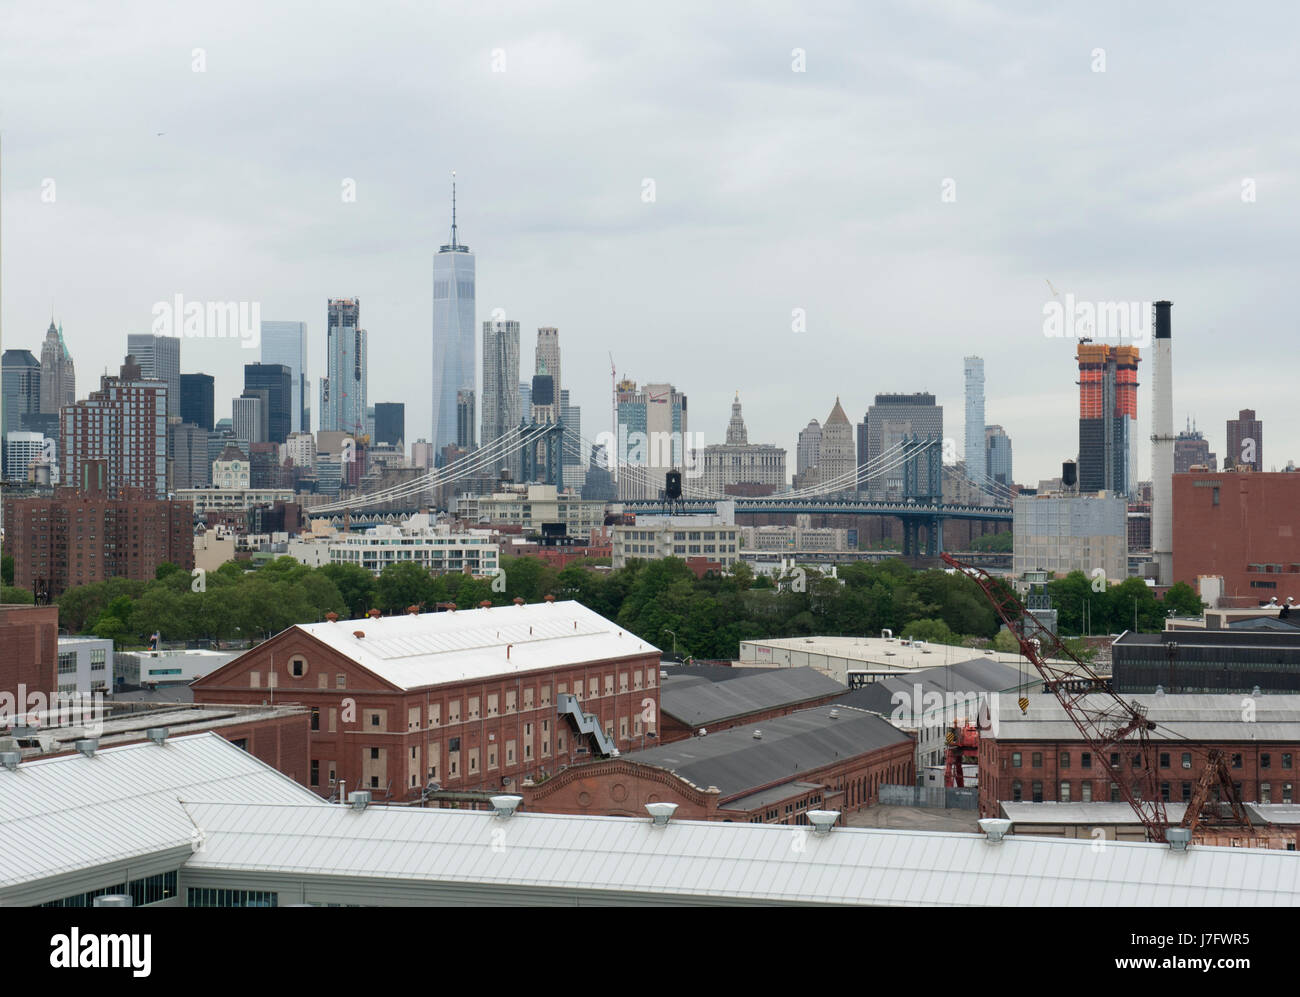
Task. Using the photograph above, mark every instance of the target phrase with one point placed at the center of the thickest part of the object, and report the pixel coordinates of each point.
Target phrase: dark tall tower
(1107, 414)
(390, 423)
(277, 381)
(197, 400)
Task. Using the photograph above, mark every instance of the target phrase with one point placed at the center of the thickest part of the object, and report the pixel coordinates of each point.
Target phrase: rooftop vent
(374, 614)
(887, 634)
(505, 806)
(10, 759)
(413, 610)
(661, 813)
(823, 820)
(157, 734)
(835, 714)
(518, 601)
(358, 634)
(758, 735)
(995, 828)
(87, 746)
(1178, 838)
(332, 617)
(549, 598)
(113, 900)
(359, 799)
(485, 604)
(1255, 691)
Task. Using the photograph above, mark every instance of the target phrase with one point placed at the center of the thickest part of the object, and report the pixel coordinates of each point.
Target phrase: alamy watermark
(36, 709)
(1119, 321)
(240, 320)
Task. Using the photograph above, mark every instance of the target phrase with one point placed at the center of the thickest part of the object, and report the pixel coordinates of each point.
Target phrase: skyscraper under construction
(1107, 416)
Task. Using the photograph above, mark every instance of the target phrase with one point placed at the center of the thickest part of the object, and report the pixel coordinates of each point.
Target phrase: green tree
(1182, 600)
(355, 584)
(1006, 642)
(403, 584)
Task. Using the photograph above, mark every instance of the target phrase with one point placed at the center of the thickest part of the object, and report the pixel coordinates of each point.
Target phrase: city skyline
(594, 247)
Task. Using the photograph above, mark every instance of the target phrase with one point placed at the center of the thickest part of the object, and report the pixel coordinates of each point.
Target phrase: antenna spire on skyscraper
(454, 243)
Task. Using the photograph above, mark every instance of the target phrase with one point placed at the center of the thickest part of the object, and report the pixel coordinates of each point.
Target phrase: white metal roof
(412, 651)
(888, 652)
(62, 814)
(1055, 812)
(742, 862)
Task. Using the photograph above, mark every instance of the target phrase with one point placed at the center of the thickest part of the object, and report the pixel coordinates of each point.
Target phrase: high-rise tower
(1107, 412)
(343, 391)
(286, 343)
(500, 384)
(453, 334)
(58, 376)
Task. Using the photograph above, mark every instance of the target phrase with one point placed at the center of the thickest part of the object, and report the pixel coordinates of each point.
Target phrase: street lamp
(667, 631)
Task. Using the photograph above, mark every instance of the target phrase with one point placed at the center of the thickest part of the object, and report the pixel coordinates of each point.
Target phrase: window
(1286, 792)
(1265, 792)
(1015, 759)
(1164, 759)
(1236, 760)
(1164, 791)
(1265, 760)
(1114, 759)
(1037, 759)
(315, 772)
(1187, 759)
(374, 754)
(1137, 761)
(453, 744)
(1187, 792)
(1114, 792)
(1085, 790)
(1065, 760)
(340, 681)
(1017, 792)
(315, 718)
(298, 667)
(1038, 792)
(1286, 759)
(1065, 792)
(1085, 761)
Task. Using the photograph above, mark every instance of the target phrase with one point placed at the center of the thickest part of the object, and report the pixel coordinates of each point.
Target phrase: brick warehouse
(86, 535)
(1040, 756)
(823, 758)
(470, 700)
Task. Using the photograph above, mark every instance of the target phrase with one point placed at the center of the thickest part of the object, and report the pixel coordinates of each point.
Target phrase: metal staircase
(586, 723)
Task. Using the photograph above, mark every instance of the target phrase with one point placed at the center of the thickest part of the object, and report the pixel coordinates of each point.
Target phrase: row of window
(1065, 790)
(1085, 760)
(148, 890)
(230, 898)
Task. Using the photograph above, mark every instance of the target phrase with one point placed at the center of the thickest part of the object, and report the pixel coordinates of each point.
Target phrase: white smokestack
(1162, 447)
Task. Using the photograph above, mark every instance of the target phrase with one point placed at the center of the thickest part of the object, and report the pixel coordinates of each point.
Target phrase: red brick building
(469, 700)
(86, 534)
(1240, 525)
(1041, 756)
(816, 759)
(29, 651)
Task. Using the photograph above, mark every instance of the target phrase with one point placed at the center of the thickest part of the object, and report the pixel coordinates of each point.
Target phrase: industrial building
(1063, 533)
(1040, 755)
(717, 697)
(462, 700)
(193, 821)
(774, 772)
(1274, 825)
(1197, 660)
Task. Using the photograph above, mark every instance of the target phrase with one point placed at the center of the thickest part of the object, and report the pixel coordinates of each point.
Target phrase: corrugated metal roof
(412, 650)
(62, 814)
(1201, 717)
(699, 702)
(978, 675)
(737, 763)
(741, 862)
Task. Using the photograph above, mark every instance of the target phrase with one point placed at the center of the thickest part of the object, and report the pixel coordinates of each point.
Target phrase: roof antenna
(454, 244)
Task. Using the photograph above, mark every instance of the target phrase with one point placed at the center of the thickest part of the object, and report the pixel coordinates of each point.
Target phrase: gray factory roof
(699, 702)
(1197, 718)
(61, 815)
(737, 763)
(967, 677)
(412, 855)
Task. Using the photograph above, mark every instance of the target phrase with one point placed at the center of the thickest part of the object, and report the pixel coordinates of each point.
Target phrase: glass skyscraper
(453, 333)
(286, 343)
(343, 390)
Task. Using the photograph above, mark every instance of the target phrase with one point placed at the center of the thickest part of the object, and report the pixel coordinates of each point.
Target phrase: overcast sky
(774, 190)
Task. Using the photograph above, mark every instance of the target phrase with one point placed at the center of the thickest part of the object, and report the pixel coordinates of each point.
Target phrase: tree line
(662, 602)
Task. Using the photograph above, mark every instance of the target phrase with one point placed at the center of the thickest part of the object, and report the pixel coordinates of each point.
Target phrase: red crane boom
(1108, 722)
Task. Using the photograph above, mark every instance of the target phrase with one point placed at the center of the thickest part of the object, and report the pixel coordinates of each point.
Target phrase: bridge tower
(923, 485)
